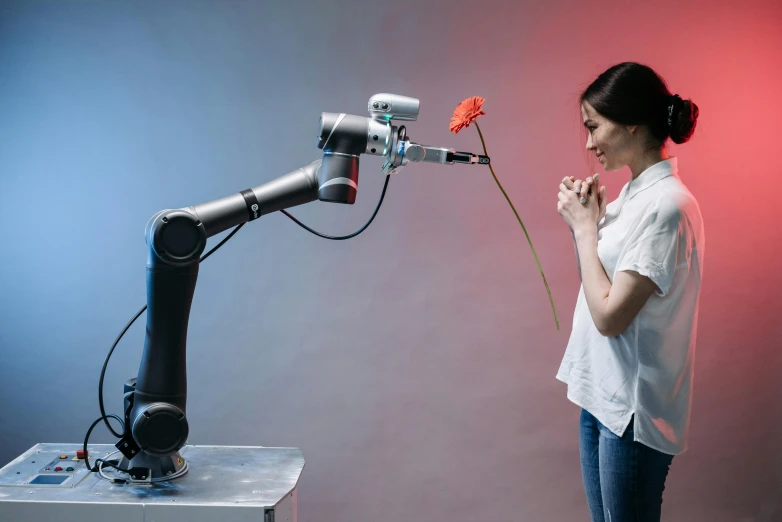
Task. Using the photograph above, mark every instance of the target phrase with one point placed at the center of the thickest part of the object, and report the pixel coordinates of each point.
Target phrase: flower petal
(466, 112)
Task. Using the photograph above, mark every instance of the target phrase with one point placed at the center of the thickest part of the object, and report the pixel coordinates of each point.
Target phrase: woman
(629, 360)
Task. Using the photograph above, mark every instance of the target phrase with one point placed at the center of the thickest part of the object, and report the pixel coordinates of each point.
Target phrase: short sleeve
(652, 248)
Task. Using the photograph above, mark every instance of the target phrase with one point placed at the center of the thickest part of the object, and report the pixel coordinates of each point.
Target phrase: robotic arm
(156, 426)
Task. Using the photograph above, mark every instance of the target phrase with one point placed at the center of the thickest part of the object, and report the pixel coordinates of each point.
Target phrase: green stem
(551, 299)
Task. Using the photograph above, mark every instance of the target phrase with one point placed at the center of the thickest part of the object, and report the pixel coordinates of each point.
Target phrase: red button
(58, 468)
(80, 454)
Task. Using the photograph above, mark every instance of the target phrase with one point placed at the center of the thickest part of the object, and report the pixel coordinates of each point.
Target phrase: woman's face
(610, 141)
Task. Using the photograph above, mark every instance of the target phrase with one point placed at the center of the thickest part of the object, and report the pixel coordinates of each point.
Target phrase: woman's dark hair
(633, 94)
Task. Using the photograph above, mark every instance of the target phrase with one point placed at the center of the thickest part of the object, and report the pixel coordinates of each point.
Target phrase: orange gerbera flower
(466, 113)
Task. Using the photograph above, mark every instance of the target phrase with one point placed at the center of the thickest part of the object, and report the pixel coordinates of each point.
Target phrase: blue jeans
(623, 479)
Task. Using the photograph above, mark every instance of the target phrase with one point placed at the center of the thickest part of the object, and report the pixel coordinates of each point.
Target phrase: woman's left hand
(579, 216)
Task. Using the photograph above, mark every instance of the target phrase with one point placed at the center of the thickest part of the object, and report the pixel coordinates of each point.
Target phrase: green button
(69, 468)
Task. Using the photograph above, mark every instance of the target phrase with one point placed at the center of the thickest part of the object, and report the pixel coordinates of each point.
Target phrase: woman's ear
(632, 128)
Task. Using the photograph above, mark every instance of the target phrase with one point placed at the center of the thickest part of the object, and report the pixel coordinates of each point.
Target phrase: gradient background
(414, 365)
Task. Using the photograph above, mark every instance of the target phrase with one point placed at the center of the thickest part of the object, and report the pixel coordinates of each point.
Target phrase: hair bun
(682, 117)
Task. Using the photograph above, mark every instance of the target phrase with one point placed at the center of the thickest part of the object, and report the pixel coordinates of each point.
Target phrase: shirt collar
(652, 175)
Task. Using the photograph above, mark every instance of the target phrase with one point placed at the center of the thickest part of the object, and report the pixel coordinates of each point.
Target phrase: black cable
(104, 417)
(87, 438)
(221, 243)
(354, 234)
(109, 463)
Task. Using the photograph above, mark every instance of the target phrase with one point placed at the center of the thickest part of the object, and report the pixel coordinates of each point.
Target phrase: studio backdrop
(414, 364)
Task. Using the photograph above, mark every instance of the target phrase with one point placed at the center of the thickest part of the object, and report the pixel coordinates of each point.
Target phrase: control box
(225, 483)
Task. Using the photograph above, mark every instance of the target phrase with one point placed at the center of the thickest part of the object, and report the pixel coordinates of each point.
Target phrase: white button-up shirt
(654, 228)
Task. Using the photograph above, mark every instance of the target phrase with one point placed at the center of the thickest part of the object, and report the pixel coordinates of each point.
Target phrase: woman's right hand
(591, 185)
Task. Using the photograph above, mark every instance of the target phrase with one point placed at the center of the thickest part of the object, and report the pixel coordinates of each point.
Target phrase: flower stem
(551, 299)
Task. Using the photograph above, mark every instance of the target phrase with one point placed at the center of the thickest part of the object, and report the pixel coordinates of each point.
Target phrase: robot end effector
(344, 137)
